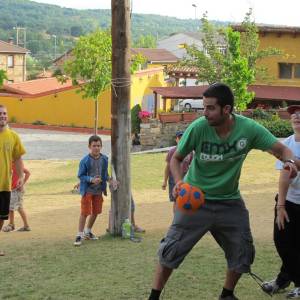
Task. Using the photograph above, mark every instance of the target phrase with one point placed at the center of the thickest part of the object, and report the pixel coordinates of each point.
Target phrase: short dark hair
(95, 138)
(222, 92)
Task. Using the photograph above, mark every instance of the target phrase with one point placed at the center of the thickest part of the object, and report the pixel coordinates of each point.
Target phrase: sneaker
(228, 298)
(8, 228)
(294, 294)
(24, 228)
(90, 236)
(271, 287)
(78, 240)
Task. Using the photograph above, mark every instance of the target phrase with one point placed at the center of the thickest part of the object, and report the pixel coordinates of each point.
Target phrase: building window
(285, 70)
(297, 70)
(10, 61)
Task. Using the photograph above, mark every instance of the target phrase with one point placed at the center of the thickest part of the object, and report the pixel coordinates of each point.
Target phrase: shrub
(279, 128)
(135, 120)
(261, 114)
(13, 119)
(38, 122)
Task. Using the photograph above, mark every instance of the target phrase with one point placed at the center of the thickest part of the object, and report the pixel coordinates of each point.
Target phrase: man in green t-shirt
(221, 141)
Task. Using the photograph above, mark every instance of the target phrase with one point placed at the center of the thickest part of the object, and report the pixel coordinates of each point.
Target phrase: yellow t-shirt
(11, 149)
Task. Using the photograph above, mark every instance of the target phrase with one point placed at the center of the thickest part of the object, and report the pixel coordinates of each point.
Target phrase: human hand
(113, 184)
(282, 216)
(20, 183)
(177, 188)
(292, 168)
(96, 180)
(164, 185)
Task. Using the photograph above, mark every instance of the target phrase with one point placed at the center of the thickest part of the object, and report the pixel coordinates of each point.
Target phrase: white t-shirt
(293, 194)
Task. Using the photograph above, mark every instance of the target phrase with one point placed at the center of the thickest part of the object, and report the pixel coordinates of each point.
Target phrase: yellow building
(284, 69)
(13, 61)
(50, 102)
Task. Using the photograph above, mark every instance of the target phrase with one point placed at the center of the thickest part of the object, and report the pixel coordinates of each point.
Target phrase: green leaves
(2, 77)
(91, 63)
(230, 57)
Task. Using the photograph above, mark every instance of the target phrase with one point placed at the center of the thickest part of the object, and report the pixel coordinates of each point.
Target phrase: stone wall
(159, 135)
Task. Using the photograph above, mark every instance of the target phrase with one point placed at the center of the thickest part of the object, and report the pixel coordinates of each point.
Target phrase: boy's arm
(284, 182)
(82, 173)
(166, 175)
(20, 171)
(27, 175)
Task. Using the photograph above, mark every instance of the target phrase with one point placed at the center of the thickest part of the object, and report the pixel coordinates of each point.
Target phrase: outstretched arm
(283, 153)
(282, 216)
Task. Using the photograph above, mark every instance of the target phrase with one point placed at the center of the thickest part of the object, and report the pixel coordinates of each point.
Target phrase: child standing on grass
(93, 176)
(16, 202)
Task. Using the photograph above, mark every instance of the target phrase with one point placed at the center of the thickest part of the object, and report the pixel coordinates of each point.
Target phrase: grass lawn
(44, 264)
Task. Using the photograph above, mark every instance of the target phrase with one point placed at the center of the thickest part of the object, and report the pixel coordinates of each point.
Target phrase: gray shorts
(228, 222)
(16, 200)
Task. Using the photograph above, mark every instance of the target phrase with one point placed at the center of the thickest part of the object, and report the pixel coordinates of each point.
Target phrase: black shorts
(4, 205)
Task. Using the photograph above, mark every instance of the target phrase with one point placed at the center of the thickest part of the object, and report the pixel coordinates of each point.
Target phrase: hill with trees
(47, 25)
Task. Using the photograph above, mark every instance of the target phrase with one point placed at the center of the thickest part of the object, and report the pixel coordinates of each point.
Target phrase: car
(188, 104)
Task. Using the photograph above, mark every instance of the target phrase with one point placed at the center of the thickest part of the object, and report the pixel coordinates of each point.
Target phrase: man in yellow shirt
(11, 150)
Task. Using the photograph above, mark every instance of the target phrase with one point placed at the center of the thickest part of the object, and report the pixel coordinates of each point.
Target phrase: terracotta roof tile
(262, 92)
(10, 48)
(156, 55)
(37, 87)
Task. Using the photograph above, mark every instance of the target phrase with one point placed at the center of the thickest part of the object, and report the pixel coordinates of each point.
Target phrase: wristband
(290, 161)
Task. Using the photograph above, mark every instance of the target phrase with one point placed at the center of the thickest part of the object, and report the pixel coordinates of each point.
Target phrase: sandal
(24, 228)
(8, 228)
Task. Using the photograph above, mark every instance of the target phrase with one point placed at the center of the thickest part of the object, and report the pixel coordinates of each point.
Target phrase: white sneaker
(90, 236)
(271, 287)
(294, 294)
(78, 240)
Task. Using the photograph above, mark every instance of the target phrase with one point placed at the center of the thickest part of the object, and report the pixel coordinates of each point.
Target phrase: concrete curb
(60, 128)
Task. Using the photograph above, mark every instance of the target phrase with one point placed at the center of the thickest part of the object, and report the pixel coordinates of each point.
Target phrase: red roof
(156, 55)
(262, 92)
(180, 92)
(38, 87)
(11, 48)
(277, 93)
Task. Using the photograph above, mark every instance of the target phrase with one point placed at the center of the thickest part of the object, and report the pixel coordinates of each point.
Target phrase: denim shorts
(226, 220)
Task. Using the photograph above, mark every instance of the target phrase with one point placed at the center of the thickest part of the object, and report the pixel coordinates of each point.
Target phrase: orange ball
(189, 199)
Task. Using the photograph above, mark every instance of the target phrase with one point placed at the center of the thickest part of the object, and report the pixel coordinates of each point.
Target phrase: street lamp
(54, 36)
(195, 6)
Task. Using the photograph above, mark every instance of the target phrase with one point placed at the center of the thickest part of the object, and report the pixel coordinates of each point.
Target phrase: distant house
(174, 42)
(154, 57)
(51, 102)
(13, 61)
(284, 70)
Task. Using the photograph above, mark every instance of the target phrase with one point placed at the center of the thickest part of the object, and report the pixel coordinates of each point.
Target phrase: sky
(277, 12)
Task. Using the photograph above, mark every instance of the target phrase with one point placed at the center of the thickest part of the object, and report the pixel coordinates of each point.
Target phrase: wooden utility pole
(120, 114)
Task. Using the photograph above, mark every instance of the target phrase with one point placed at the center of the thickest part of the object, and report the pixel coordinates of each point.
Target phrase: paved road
(43, 144)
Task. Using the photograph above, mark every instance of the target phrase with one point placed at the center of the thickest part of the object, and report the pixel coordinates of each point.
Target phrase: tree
(2, 77)
(230, 57)
(237, 72)
(91, 63)
(145, 41)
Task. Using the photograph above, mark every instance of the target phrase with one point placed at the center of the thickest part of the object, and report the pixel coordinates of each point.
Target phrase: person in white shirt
(287, 219)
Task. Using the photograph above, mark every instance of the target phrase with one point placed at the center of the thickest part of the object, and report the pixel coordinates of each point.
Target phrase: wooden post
(120, 114)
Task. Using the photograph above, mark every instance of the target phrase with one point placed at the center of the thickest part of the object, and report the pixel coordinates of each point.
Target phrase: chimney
(11, 40)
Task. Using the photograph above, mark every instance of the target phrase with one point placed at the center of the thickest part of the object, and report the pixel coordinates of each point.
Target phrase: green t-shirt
(217, 163)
